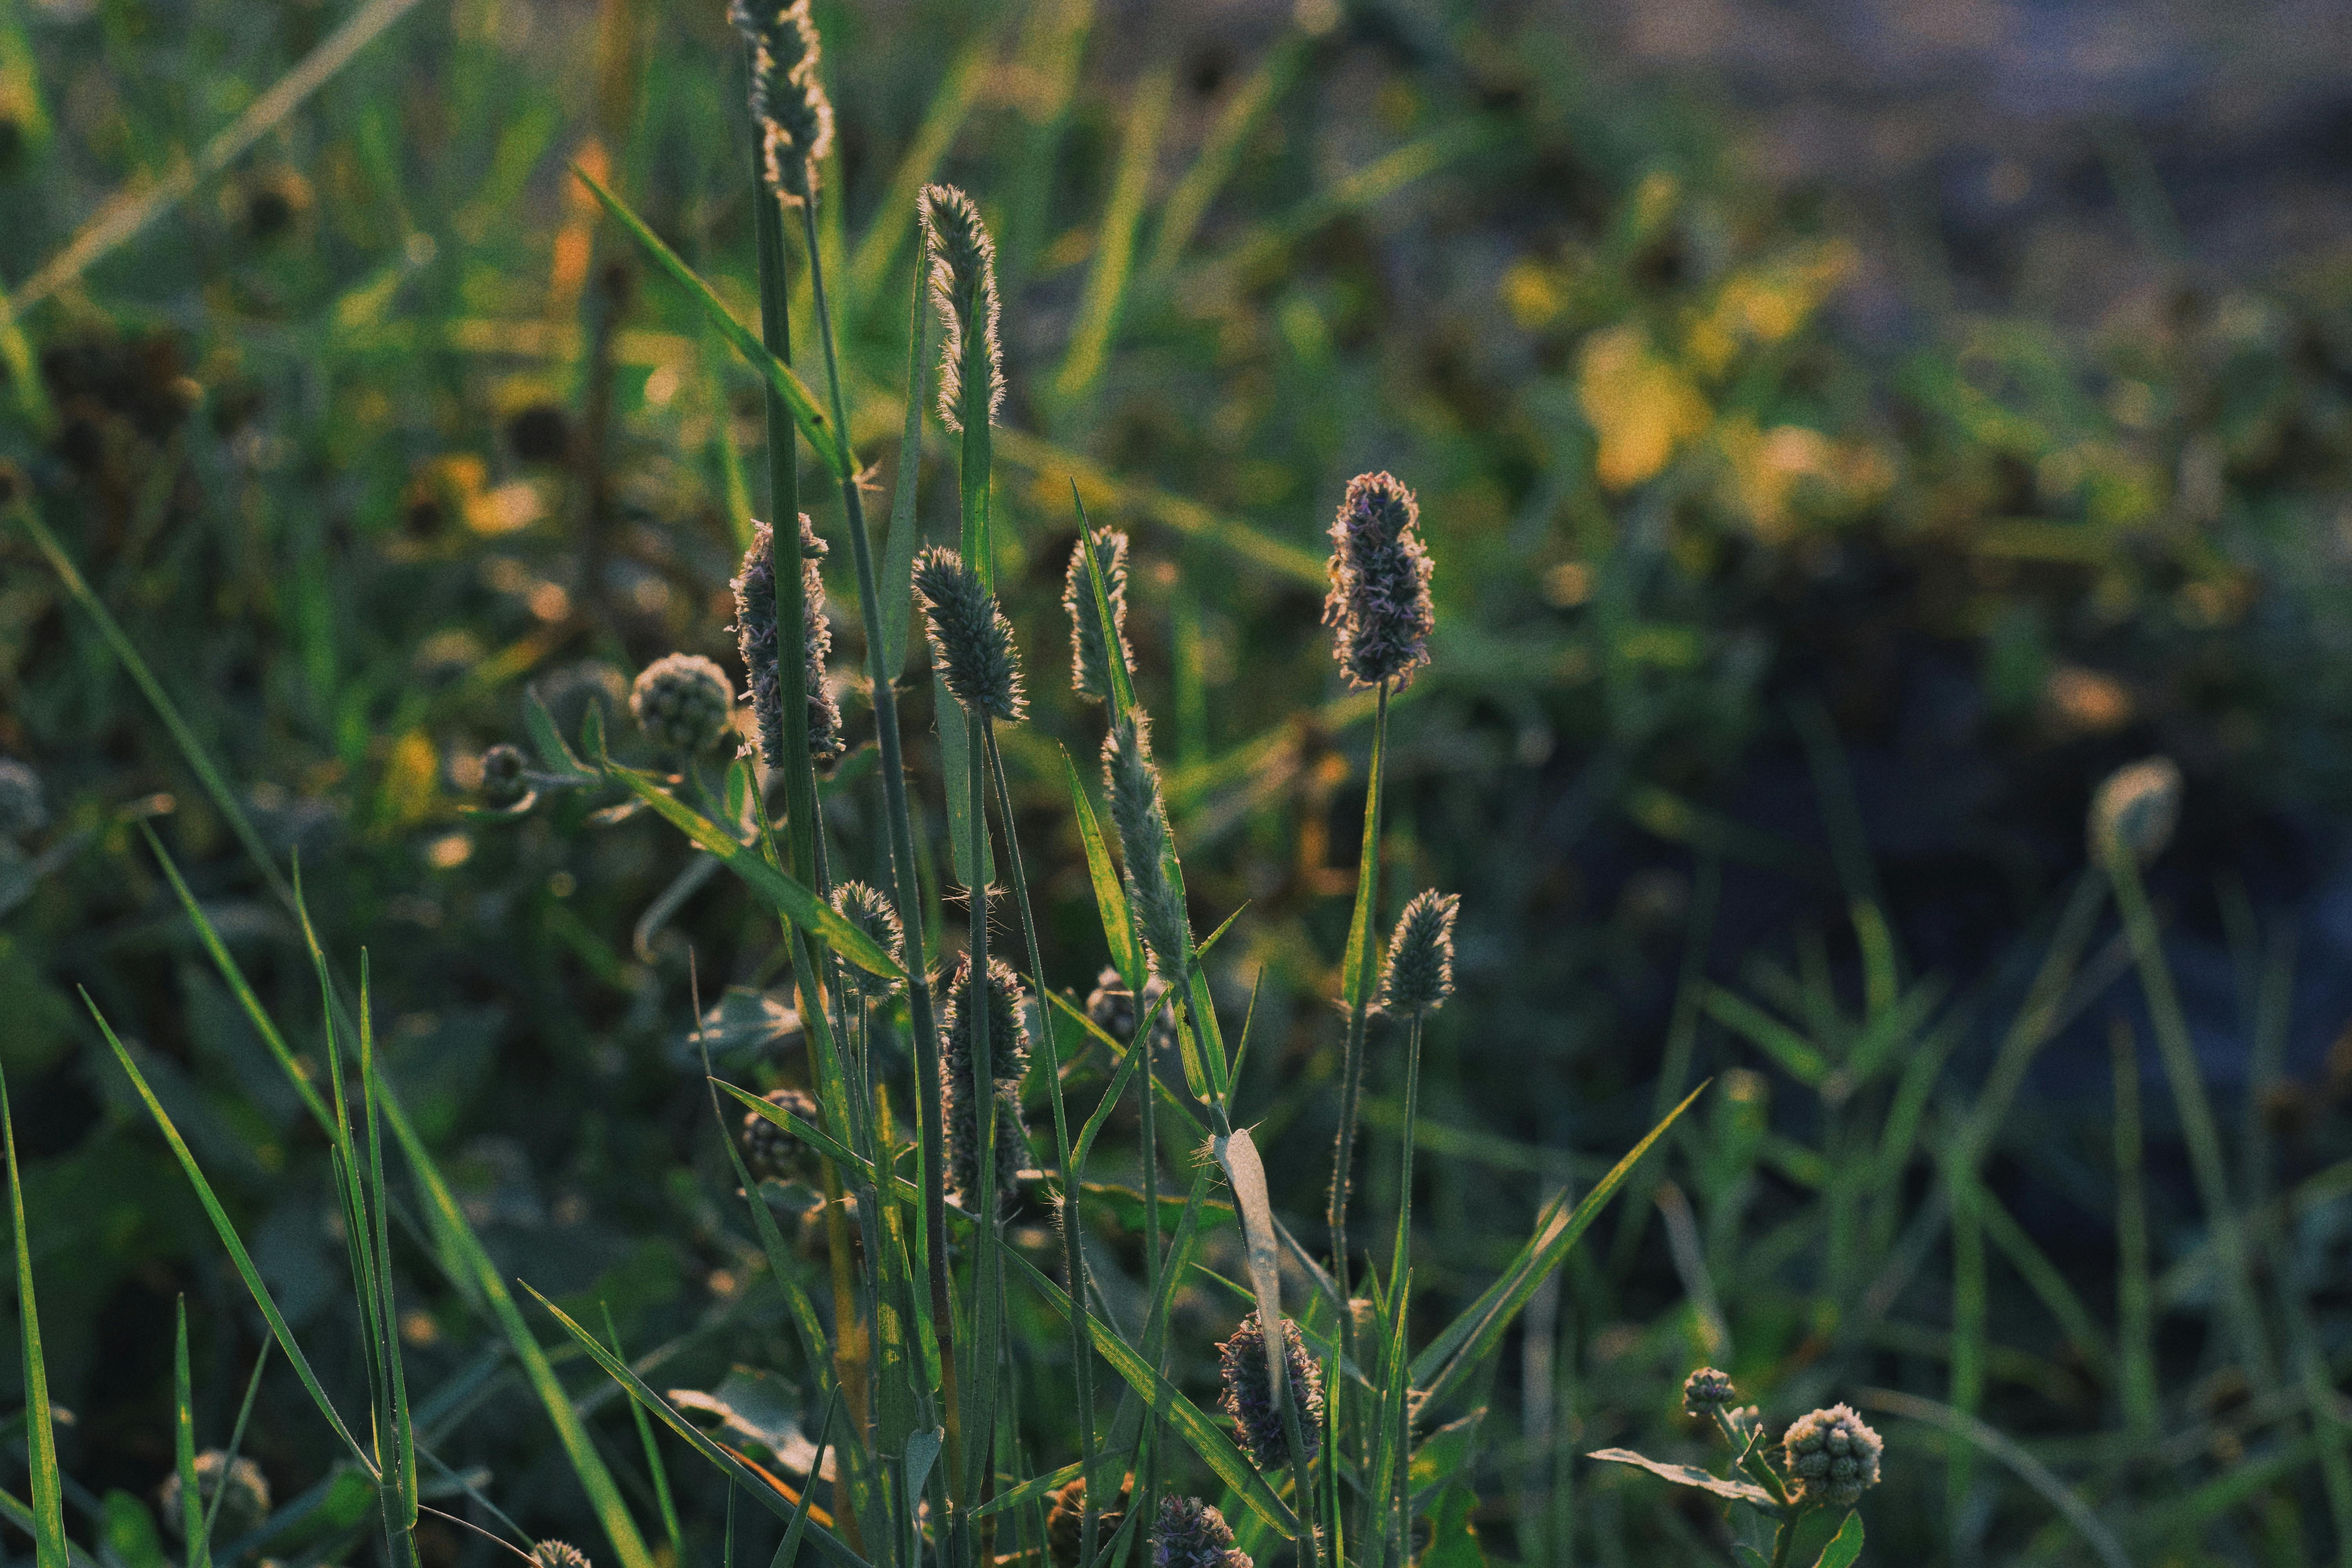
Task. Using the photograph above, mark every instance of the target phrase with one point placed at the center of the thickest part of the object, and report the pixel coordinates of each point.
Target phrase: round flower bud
(244, 1504)
(558, 1555)
(21, 811)
(2136, 808)
(683, 702)
(1834, 1456)
(770, 1153)
(503, 784)
(1707, 1391)
(1249, 1393)
(1192, 1534)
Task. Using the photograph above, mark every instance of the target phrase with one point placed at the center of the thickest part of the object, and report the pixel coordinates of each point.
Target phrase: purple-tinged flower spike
(1707, 1391)
(755, 634)
(683, 702)
(1834, 1456)
(963, 287)
(1378, 602)
(1192, 1534)
(871, 911)
(1419, 973)
(971, 635)
(1249, 1394)
(1008, 1059)
(789, 104)
(1090, 667)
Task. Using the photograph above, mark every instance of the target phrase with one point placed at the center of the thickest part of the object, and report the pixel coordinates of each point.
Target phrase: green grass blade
(237, 1254)
(1790, 1051)
(951, 105)
(814, 426)
(896, 592)
(2024, 1465)
(1110, 891)
(183, 1443)
(1101, 301)
(654, 1466)
(236, 1434)
(1449, 1359)
(2135, 1291)
(1188, 204)
(47, 1524)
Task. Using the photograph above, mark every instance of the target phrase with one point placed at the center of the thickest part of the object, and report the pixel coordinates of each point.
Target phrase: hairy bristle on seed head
(756, 640)
(1191, 1533)
(789, 104)
(1140, 819)
(970, 635)
(963, 287)
(1090, 666)
(1008, 1059)
(1249, 1396)
(870, 910)
(1419, 973)
(1379, 600)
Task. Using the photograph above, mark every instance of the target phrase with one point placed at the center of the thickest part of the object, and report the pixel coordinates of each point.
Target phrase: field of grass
(1832, 999)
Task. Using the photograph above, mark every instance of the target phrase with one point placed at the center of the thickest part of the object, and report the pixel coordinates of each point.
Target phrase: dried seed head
(770, 1153)
(963, 287)
(971, 638)
(503, 784)
(683, 702)
(1419, 974)
(1706, 1391)
(756, 640)
(21, 810)
(1065, 1520)
(244, 1504)
(1141, 820)
(2136, 808)
(1249, 1393)
(1090, 672)
(558, 1555)
(1192, 1534)
(1378, 602)
(789, 105)
(1834, 1456)
(871, 911)
(1008, 1058)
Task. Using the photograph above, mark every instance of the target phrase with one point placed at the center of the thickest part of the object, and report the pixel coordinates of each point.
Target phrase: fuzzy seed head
(1192, 1534)
(683, 702)
(21, 810)
(1419, 974)
(963, 288)
(871, 911)
(1065, 1520)
(770, 1152)
(1142, 822)
(789, 105)
(1249, 1393)
(244, 1506)
(503, 784)
(2137, 809)
(1008, 1059)
(971, 639)
(1090, 672)
(756, 640)
(1834, 1455)
(1378, 602)
(558, 1555)
(1706, 1391)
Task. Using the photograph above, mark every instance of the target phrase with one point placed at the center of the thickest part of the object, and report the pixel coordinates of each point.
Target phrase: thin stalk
(987, 1269)
(1073, 1256)
(2135, 1295)
(903, 871)
(1400, 1417)
(1351, 1083)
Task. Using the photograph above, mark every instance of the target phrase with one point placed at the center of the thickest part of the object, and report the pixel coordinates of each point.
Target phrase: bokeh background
(1846, 431)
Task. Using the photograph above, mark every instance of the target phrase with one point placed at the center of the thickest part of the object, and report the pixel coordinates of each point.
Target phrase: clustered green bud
(1707, 1391)
(242, 1490)
(788, 99)
(970, 636)
(871, 911)
(1419, 973)
(1249, 1393)
(1378, 601)
(1192, 1534)
(683, 702)
(503, 784)
(770, 1153)
(2135, 809)
(1140, 819)
(963, 287)
(1090, 666)
(558, 1555)
(1008, 1059)
(1832, 1454)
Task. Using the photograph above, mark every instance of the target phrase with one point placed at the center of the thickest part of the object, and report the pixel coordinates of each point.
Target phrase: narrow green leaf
(183, 1443)
(814, 426)
(1689, 1476)
(654, 1467)
(1795, 1055)
(1110, 890)
(1844, 1549)
(48, 1522)
(896, 595)
(955, 768)
(1102, 299)
(554, 752)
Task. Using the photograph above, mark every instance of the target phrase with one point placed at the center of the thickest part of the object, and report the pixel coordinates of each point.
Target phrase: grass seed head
(1379, 600)
(1192, 1534)
(1140, 819)
(1008, 1059)
(1090, 672)
(1065, 1520)
(2136, 808)
(1834, 1456)
(963, 287)
(683, 702)
(1249, 1393)
(871, 911)
(789, 104)
(756, 640)
(973, 639)
(1419, 973)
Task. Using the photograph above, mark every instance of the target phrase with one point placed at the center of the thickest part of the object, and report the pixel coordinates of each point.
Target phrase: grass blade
(1100, 302)
(898, 599)
(47, 1524)
(1110, 891)
(654, 1466)
(184, 1444)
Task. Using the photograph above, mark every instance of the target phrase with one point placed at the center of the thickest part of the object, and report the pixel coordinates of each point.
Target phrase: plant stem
(987, 1269)
(1351, 1083)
